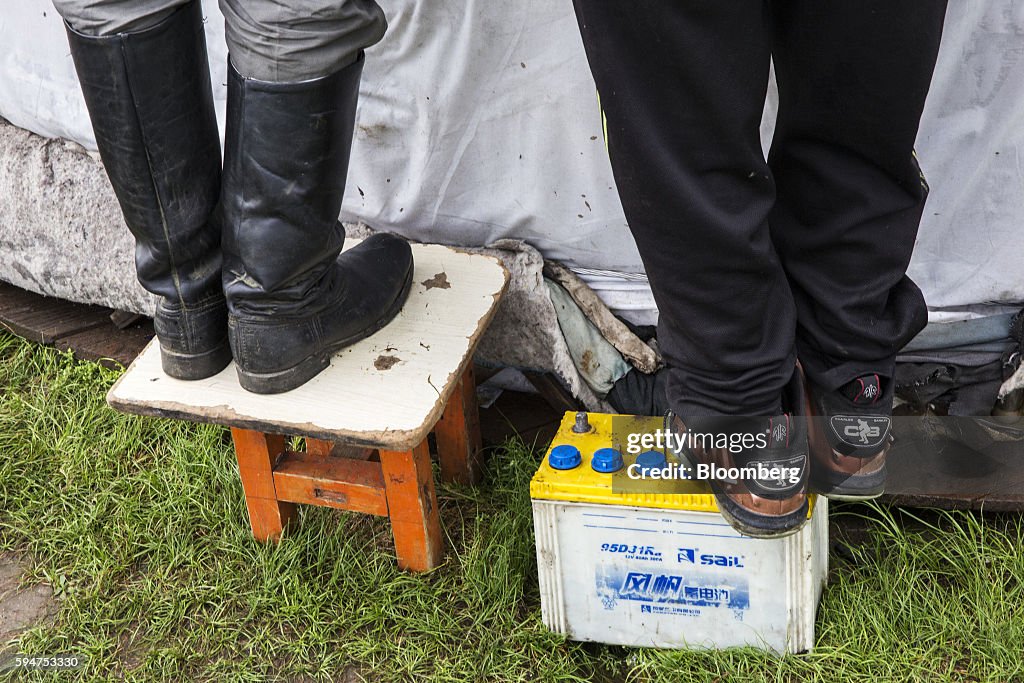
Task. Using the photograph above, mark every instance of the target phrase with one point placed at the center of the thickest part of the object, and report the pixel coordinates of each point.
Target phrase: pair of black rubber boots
(245, 260)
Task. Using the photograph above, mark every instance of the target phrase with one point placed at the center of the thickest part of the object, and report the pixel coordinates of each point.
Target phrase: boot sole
(297, 375)
(195, 366)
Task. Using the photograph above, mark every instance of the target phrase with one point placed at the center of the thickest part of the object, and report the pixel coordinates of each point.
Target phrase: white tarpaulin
(479, 121)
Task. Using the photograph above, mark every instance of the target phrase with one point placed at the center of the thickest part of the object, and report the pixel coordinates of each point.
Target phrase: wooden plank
(459, 448)
(15, 300)
(557, 396)
(257, 453)
(84, 329)
(108, 345)
(957, 462)
(340, 483)
(412, 505)
(386, 391)
(319, 446)
(354, 452)
(124, 319)
(337, 450)
(44, 319)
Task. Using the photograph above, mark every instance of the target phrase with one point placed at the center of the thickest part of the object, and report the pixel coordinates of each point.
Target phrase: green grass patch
(140, 526)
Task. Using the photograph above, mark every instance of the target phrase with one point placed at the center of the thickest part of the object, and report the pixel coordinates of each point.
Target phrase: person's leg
(853, 77)
(109, 17)
(293, 85)
(682, 85)
(150, 100)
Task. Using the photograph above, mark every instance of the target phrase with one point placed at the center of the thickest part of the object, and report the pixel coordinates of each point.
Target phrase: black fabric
(752, 261)
(958, 389)
(962, 380)
(637, 393)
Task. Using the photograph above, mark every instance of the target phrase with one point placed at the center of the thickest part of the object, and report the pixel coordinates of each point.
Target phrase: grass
(140, 527)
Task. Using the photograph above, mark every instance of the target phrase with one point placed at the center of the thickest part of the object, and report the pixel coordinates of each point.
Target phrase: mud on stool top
(379, 399)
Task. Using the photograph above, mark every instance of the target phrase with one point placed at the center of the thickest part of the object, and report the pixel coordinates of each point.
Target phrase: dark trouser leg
(682, 85)
(852, 83)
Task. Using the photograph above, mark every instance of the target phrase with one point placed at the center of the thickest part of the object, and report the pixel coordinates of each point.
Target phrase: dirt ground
(20, 606)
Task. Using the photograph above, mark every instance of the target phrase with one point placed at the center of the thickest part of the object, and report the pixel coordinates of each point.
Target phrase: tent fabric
(479, 121)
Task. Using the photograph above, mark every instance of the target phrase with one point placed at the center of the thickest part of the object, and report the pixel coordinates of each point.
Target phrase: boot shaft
(286, 157)
(151, 104)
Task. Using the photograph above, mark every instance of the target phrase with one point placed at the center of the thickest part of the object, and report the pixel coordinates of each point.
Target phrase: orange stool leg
(458, 434)
(257, 453)
(412, 507)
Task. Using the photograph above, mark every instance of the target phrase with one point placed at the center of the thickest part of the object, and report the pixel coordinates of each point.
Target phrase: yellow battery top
(584, 484)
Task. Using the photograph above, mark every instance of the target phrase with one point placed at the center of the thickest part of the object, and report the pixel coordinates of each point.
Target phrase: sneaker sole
(733, 513)
(862, 488)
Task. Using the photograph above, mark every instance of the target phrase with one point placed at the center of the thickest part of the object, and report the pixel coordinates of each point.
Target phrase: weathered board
(957, 462)
(88, 331)
(108, 345)
(45, 319)
(386, 391)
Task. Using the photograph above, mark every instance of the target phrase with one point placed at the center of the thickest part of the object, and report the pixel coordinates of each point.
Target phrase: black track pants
(754, 263)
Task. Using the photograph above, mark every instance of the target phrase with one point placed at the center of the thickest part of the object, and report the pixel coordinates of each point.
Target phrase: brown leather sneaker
(849, 436)
(759, 475)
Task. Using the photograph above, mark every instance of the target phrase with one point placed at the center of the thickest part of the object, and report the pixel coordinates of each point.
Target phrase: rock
(61, 230)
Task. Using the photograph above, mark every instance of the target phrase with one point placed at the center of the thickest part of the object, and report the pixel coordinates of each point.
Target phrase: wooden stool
(365, 419)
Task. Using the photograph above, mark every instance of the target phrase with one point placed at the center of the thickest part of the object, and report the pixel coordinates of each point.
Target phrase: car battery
(657, 565)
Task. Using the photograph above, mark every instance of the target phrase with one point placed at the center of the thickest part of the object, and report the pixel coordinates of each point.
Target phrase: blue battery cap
(564, 457)
(651, 460)
(606, 460)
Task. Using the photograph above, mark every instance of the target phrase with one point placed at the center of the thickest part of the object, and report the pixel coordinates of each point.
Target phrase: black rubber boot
(151, 105)
(293, 301)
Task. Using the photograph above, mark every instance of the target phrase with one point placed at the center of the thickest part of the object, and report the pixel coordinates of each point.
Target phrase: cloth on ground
(597, 361)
